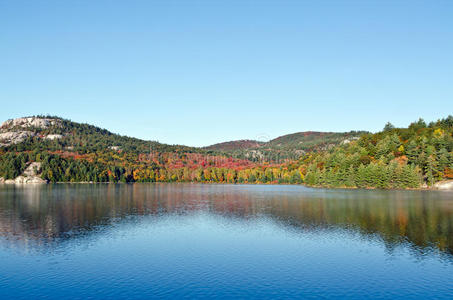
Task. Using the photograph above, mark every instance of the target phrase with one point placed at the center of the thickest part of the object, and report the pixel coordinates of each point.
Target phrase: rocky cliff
(16, 131)
(29, 122)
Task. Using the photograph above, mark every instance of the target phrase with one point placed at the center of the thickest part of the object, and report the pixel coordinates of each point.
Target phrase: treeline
(375, 175)
(56, 168)
(394, 158)
(122, 167)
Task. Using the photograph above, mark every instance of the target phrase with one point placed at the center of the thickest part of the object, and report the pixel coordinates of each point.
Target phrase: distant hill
(235, 145)
(290, 146)
(309, 140)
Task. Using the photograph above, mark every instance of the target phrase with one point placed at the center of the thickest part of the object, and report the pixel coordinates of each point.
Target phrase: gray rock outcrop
(29, 122)
(14, 137)
(33, 169)
(53, 137)
(25, 179)
(444, 185)
(16, 131)
(30, 175)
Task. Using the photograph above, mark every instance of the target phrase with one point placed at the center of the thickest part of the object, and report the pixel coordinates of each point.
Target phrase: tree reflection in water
(46, 216)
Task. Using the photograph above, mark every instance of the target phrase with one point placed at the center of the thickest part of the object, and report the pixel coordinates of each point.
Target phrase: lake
(142, 241)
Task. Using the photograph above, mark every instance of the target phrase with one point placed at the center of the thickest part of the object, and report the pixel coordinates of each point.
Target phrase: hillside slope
(235, 145)
(54, 133)
(313, 140)
(290, 146)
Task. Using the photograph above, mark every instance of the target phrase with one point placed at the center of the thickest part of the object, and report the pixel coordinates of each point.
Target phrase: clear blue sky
(201, 72)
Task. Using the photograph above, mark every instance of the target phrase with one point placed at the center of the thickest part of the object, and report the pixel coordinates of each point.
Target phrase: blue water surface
(142, 241)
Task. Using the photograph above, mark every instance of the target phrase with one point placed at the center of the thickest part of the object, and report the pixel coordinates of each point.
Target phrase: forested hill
(419, 155)
(235, 145)
(59, 150)
(311, 140)
(290, 146)
(53, 133)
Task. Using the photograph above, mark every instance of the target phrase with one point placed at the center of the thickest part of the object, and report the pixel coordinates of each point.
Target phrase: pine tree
(350, 177)
(412, 152)
(443, 159)
(431, 169)
(361, 176)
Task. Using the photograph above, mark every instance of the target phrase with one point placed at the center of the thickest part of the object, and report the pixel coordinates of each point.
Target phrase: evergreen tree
(389, 126)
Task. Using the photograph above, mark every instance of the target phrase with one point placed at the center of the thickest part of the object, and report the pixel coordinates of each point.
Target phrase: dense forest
(412, 157)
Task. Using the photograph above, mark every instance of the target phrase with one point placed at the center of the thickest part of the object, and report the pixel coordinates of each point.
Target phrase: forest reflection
(42, 216)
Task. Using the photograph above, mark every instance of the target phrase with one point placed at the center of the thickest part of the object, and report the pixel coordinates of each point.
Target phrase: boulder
(25, 179)
(35, 179)
(20, 179)
(2, 180)
(444, 185)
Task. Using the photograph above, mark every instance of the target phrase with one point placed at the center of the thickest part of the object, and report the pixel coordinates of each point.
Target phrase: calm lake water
(105, 241)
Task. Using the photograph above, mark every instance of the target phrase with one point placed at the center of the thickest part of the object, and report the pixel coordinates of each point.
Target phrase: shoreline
(244, 183)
